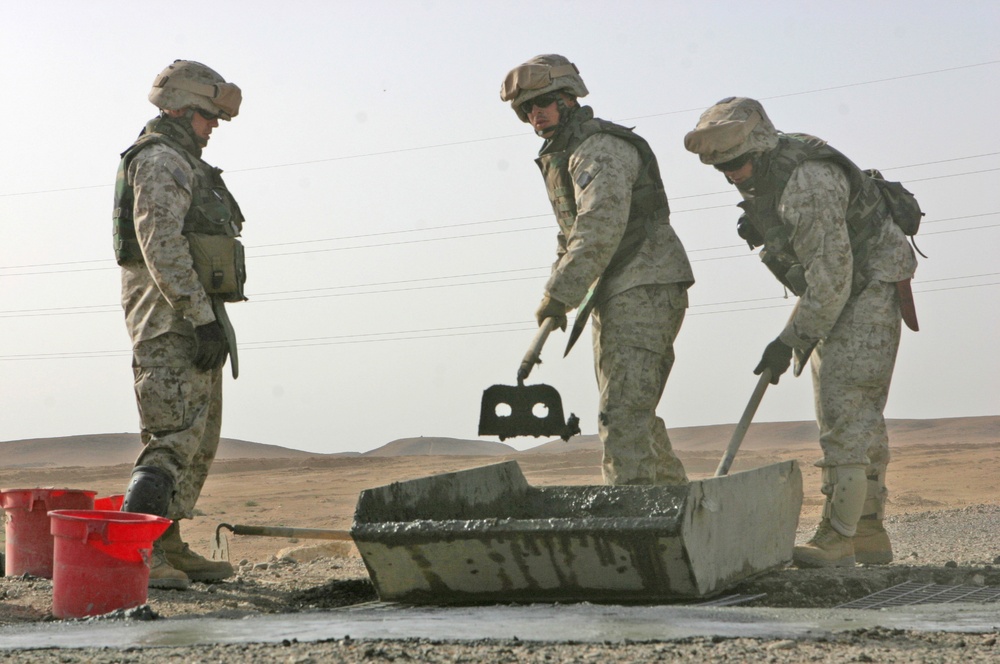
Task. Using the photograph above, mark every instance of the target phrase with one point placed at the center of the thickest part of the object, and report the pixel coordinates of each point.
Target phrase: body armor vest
(213, 209)
(649, 199)
(866, 210)
(219, 258)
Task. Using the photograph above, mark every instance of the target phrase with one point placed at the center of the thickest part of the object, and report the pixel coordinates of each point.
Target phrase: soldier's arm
(161, 181)
(815, 206)
(604, 169)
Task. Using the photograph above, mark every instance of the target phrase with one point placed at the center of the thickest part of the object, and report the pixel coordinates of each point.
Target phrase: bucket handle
(96, 528)
(37, 497)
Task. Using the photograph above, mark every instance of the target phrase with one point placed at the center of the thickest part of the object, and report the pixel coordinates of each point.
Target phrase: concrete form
(485, 536)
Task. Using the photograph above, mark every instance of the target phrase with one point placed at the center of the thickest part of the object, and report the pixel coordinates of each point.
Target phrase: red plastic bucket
(101, 560)
(113, 502)
(29, 541)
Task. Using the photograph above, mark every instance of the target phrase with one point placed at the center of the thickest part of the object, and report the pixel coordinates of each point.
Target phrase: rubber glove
(552, 308)
(212, 346)
(777, 356)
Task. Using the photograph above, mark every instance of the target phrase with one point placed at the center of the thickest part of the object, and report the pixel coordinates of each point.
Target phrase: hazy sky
(398, 232)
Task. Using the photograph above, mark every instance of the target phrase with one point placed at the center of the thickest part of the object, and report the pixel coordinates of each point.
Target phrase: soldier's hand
(552, 308)
(777, 356)
(212, 346)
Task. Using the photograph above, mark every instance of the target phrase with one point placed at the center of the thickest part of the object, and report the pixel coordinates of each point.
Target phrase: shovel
(220, 550)
(744, 424)
(525, 400)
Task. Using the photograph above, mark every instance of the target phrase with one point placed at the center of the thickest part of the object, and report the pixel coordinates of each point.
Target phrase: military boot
(871, 541)
(163, 575)
(827, 548)
(181, 557)
(832, 545)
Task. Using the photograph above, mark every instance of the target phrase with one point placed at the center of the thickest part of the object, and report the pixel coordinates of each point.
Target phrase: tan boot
(871, 543)
(195, 566)
(827, 548)
(832, 545)
(162, 575)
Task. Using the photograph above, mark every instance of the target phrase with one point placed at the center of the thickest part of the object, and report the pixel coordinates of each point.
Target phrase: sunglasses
(733, 164)
(540, 101)
(208, 116)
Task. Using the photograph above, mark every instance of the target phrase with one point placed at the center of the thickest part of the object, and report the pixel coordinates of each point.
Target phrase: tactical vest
(649, 199)
(219, 259)
(866, 210)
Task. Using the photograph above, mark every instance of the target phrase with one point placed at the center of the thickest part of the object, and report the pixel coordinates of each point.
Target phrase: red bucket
(101, 560)
(29, 541)
(112, 502)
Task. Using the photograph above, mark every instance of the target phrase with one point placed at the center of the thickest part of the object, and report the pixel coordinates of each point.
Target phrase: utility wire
(507, 136)
(386, 336)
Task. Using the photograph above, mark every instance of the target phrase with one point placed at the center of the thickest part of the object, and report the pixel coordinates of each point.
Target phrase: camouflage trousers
(180, 412)
(851, 371)
(634, 334)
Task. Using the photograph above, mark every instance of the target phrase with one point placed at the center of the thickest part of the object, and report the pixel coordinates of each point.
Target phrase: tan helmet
(730, 128)
(189, 84)
(541, 74)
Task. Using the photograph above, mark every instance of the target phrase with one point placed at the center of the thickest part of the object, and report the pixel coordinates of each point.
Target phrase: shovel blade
(522, 400)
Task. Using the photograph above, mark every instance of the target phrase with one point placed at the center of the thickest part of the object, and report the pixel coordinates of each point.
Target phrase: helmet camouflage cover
(539, 75)
(189, 84)
(730, 128)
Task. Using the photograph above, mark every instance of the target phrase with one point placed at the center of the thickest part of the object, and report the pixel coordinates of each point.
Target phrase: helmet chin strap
(564, 114)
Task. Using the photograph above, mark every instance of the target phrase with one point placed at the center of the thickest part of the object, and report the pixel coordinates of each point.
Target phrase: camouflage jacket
(614, 221)
(172, 192)
(827, 234)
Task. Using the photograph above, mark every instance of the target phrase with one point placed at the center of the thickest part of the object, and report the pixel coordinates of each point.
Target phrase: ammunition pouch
(781, 261)
(220, 263)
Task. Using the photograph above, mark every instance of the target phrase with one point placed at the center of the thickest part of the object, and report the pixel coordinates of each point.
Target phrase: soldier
(828, 236)
(616, 243)
(175, 230)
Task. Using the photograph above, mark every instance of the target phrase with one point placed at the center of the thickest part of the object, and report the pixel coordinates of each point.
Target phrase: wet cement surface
(538, 622)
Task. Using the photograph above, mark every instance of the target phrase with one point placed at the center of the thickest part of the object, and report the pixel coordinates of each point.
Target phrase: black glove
(777, 356)
(746, 230)
(212, 346)
(552, 308)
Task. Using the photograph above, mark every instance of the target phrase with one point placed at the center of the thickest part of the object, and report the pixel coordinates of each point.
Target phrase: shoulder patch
(179, 176)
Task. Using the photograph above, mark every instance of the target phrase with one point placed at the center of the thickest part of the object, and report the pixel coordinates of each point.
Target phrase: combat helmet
(189, 84)
(539, 75)
(731, 128)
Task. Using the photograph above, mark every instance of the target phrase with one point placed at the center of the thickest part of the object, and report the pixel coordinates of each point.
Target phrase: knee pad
(149, 492)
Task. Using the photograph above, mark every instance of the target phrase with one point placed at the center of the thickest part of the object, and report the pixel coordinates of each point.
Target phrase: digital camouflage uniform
(639, 310)
(180, 406)
(847, 318)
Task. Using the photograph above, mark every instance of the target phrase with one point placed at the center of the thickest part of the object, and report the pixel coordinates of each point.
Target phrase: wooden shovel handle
(744, 424)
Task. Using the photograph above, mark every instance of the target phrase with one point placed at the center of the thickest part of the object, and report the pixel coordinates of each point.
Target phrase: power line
(435, 146)
(369, 337)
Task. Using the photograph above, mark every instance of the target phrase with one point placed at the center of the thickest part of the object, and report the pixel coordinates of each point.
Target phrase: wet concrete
(537, 622)
(484, 535)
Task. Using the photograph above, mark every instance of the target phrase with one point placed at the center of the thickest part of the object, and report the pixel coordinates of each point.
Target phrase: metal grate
(910, 593)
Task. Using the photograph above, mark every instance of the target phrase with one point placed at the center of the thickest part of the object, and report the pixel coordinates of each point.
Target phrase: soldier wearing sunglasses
(617, 257)
(175, 230)
(827, 234)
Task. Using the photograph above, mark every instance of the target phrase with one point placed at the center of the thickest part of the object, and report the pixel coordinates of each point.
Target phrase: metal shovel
(744, 424)
(525, 400)
(220, 548)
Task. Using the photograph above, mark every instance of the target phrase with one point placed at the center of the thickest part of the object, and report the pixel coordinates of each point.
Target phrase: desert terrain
(943, 515)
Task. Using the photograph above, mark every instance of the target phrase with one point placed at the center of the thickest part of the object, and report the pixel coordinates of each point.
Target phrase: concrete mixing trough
(484, 535)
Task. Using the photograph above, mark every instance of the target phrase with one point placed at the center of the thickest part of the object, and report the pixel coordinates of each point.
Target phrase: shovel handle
(744, 424)
(533, 356)
(277, 531)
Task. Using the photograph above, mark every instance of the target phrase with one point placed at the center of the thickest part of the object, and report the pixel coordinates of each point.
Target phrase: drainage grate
(910, 593)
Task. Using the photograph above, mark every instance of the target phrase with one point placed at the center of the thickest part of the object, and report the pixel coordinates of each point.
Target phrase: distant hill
(122, 448)
(111, 449)
(430, 446)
